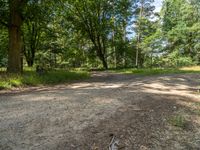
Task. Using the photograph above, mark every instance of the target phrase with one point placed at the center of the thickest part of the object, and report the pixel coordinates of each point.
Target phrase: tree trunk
(102, 58)
(30, 56)
(137, 51)
(114, 50)
(101, 50)
(15, 41)
(139, 36)
(105, 65)
(124, 41)
(30, 63)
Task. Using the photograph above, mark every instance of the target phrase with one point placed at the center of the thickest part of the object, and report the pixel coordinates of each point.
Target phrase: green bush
(185, 61)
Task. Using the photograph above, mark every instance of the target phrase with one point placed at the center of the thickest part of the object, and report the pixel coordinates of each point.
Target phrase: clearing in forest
(154, 112)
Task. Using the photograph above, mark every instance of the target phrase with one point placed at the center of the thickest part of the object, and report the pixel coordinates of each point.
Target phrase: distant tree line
(98, 33)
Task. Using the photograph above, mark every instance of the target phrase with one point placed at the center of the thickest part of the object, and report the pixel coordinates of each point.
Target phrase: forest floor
(141, 112)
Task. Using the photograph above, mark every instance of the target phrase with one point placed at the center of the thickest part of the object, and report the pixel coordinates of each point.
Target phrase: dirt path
(138, 111)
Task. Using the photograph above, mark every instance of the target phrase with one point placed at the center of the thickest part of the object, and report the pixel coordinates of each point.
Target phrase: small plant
(15, 82)
(178, 121)
(4, 85)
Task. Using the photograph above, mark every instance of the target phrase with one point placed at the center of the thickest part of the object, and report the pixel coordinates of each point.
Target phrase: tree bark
(30, 62)
(15, 41)
(101, 51)
(137, 51)
(139, 35)
(104, 62)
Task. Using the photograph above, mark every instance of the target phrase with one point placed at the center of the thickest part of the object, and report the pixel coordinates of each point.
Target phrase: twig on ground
(114, 143)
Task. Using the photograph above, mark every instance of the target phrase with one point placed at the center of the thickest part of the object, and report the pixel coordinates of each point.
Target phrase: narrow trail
(86, 115)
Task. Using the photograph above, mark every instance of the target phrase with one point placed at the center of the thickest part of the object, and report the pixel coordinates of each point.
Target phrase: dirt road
(86, 115)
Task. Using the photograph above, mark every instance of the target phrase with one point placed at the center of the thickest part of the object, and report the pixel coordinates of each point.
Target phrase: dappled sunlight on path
(48, 117)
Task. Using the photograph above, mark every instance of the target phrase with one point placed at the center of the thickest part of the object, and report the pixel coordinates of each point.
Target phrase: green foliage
(8, 81)
(94, 34)
(144, 28)
(3, 47)
(174, 59)
(31, 78)
(181, 31)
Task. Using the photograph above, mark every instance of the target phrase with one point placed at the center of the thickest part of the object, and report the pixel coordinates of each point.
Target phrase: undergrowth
(31, 78)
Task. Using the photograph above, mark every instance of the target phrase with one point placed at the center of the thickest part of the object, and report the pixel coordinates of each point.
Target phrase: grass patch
(196, 108)
(158, 71)
(178, 121)
(31, 78)
(191, 68)
(197, 112)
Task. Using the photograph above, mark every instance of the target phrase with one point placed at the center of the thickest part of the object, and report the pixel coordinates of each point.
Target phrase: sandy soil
(86, 115)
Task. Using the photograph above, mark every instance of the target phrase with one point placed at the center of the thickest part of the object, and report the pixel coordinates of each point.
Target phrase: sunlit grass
(192, 68)
(31, 78)
(158, 71)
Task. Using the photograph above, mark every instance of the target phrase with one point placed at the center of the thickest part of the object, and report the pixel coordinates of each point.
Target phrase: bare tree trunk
(101, 51)
(15, 41)
(113, 38)
(124, 40)
(139, 35)
(114, 48)
(137, 50)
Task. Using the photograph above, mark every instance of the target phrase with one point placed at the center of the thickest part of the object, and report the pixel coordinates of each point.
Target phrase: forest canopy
(98, 33)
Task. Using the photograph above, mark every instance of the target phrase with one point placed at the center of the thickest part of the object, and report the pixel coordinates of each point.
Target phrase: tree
(143, 12)
(15, 40)
(100, 21)
(13, 22)
(37, 17)
(181, 31)
(92, 19)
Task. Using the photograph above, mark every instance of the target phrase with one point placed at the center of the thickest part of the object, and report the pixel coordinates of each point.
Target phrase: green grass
(158, 71)
(31, 78)
(178, 121)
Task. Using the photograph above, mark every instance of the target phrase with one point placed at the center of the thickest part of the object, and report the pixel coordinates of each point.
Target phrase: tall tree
(38, 16)
(15, 40)
(143, 11)
(181, 27)
(123, 20)
(13, 22)
(92, 18)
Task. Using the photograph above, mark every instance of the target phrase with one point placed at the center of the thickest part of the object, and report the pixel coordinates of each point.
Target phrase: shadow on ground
(136, 110)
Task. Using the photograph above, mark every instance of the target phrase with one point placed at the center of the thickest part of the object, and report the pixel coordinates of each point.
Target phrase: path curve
(86, 115)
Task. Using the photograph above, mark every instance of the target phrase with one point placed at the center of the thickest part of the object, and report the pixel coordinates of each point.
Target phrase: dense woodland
(98, 34)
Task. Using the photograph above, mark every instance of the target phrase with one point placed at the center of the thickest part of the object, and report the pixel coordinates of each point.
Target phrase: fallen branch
(114, 143)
